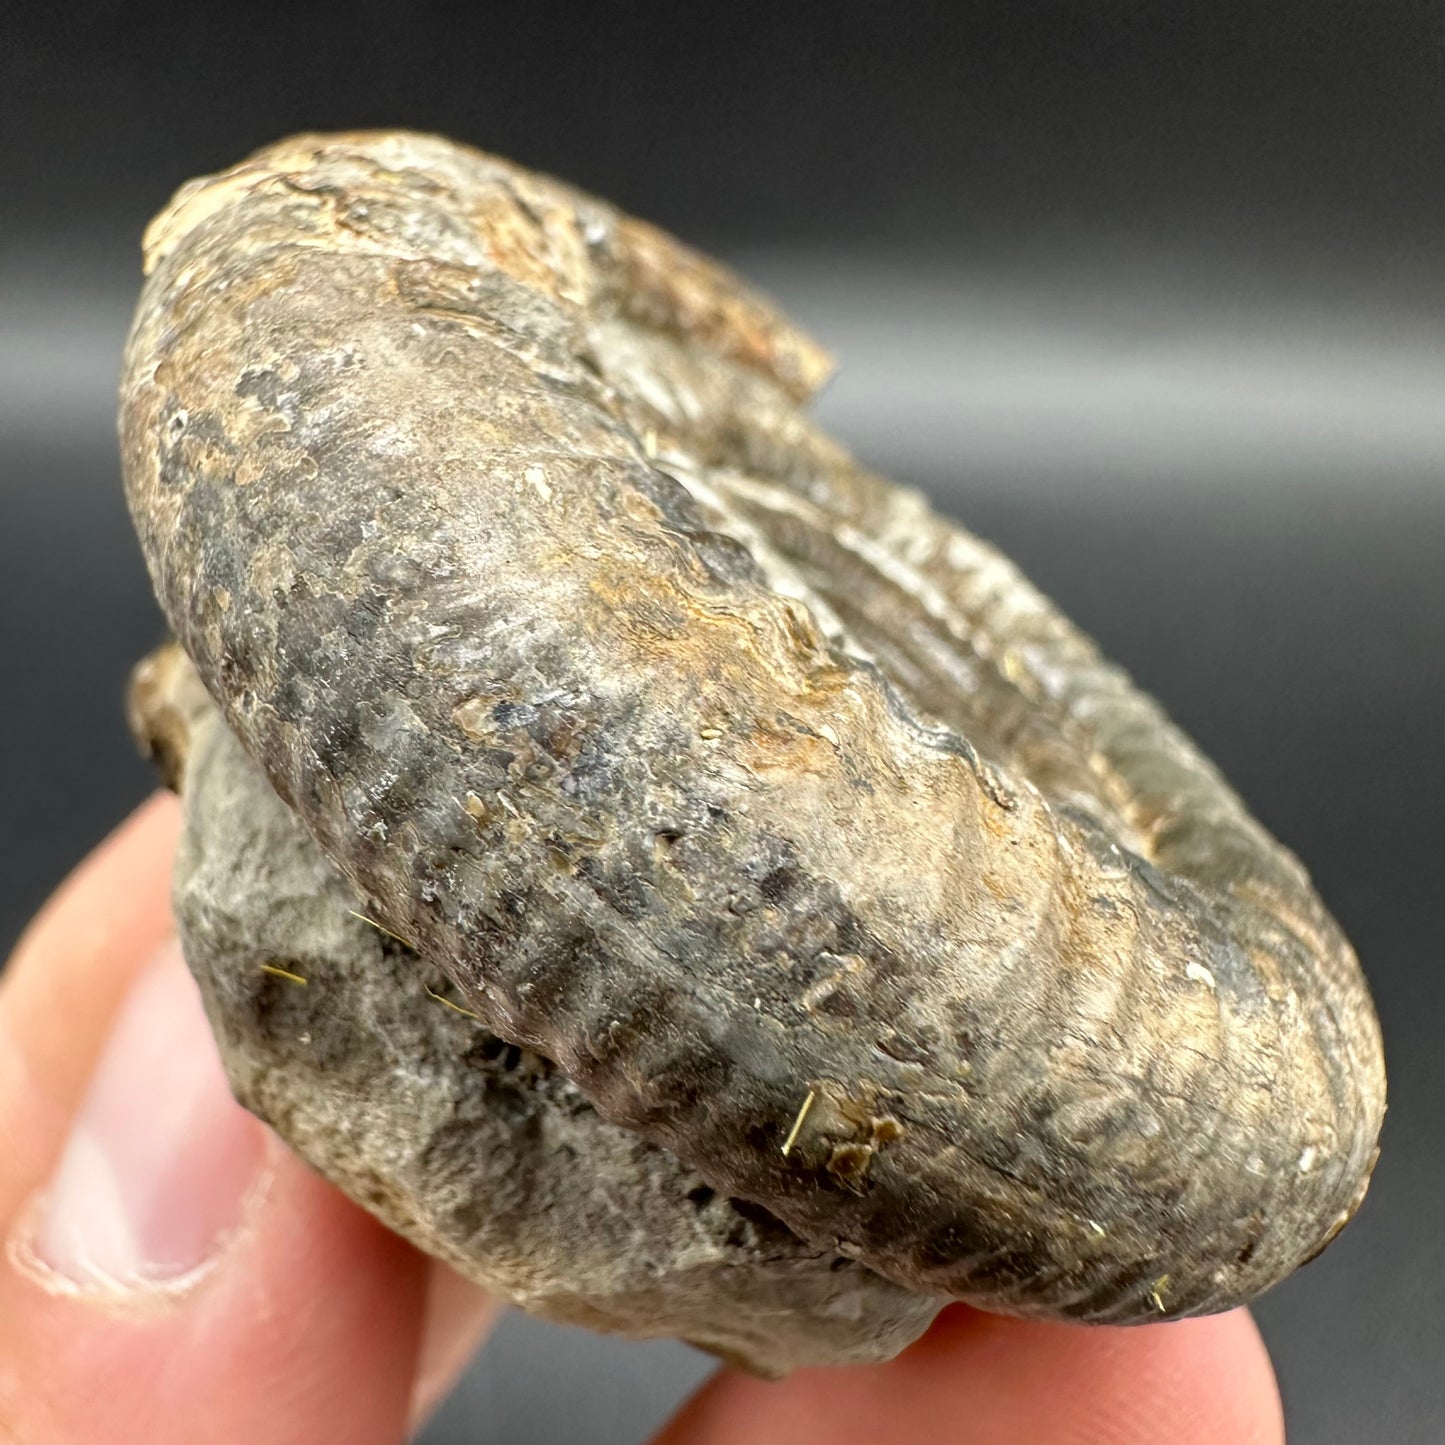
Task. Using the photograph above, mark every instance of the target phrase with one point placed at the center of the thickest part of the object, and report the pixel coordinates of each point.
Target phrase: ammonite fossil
(783, 822)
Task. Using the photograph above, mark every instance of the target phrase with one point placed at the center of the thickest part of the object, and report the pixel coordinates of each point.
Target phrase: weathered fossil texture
(477, 1150)
(771, 807)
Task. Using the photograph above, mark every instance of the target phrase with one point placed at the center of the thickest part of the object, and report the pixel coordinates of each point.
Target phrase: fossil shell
(479, 1152)
(805, 837)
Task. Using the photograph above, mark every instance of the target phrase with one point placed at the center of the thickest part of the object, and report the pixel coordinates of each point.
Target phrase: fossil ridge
(802, 834)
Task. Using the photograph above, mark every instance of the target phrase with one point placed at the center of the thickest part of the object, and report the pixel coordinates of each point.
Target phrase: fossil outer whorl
(773, 808)
(479, 1152)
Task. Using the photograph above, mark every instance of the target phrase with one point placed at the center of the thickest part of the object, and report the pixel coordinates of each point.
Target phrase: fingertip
(459, 1316)
(136, 852)
(72, 963)
(307, 1326)
(988, 1380)
(295, 1317)
(65, 981)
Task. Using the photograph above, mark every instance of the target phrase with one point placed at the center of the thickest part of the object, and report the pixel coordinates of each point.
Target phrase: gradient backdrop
(1149, 295)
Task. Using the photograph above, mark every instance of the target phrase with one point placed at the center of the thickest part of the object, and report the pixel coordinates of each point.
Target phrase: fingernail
(160, 1159)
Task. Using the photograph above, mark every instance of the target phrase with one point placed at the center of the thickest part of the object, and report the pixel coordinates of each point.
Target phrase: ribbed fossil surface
(479, 1151)
(782, 816)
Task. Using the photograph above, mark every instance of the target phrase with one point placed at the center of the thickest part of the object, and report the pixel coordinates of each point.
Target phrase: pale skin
(313, 1322)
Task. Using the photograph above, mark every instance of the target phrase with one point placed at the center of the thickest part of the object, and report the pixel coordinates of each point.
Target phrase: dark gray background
(1151, 296)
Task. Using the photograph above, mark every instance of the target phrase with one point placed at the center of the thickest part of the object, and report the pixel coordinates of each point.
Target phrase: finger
(70, 968)
(984, 1380)
(171, 1273)
(459, 1317)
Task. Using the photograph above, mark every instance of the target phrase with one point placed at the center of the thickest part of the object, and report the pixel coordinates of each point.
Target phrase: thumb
(170, 1273)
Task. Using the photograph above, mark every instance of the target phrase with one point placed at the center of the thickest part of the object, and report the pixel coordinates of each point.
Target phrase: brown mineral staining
(848, 1164)
(842, 799)
(164, 698)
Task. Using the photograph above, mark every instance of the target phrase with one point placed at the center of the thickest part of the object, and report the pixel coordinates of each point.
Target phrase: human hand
(171, 1273)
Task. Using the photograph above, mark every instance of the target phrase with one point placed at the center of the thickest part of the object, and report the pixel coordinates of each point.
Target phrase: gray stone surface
(480, 1152)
